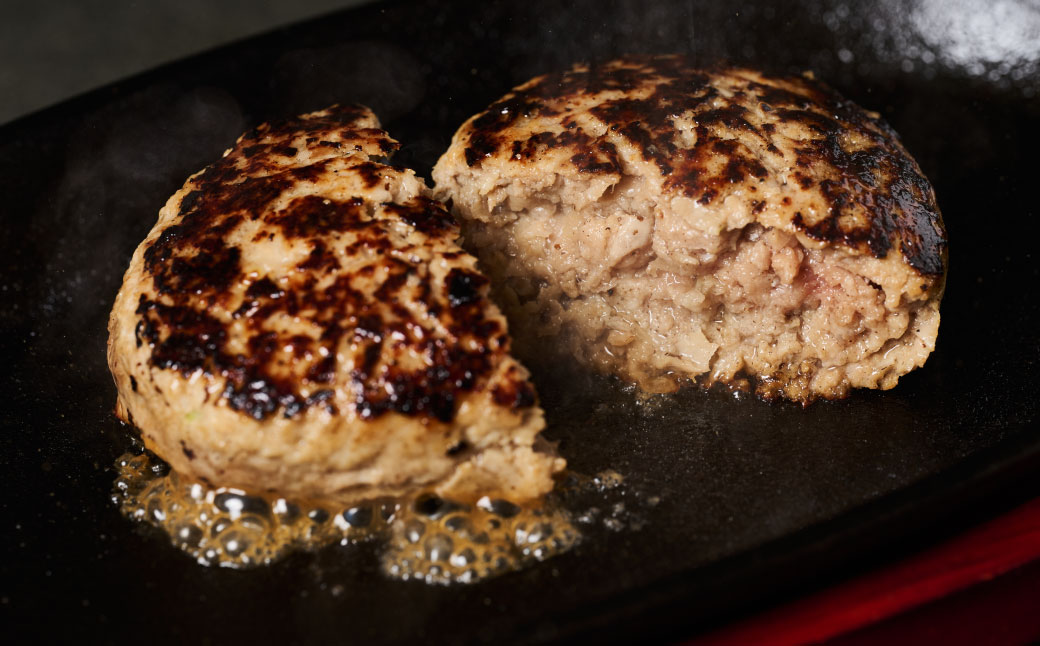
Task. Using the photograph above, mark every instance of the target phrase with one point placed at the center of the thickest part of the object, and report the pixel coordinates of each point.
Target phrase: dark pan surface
(757, 500)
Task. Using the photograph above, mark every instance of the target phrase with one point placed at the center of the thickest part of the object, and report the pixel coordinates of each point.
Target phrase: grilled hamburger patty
(666, 223)
(301, 320)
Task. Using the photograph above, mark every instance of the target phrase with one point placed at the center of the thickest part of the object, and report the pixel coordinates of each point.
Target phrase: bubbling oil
(425, 537)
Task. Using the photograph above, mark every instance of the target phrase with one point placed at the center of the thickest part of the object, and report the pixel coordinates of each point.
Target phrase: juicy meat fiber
(301, 320)
(667, 223)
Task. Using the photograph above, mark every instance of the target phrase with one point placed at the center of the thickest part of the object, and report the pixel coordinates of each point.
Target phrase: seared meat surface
(666, 223)
(301, 320)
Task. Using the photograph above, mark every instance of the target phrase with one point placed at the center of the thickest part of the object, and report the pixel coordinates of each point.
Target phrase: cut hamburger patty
(666, 223)
(301, 320)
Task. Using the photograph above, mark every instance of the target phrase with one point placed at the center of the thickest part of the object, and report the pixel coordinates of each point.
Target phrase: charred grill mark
(409, 398)
(259, 299)
(591, 156)
(534, 99)
(485, 139)
(876, 196)
(922, 237)
(181, 338)
(778, 97)
(738, 168)
(464, 287)
(189, 201)
(651, 149)
(369, 358)
(260, 398)
(515, 393)
(415, 360)
(425, 215)
(267, 148)
(396, 278)
(814, 120)
(432, 390)
(542, 140)
(336, 122)
(214, 264)
(387, 146)
(831, 229)
(320, 259)
(695, 176)
(215, 209)
(371, 172)
(602, 158)
(313, 215)
(324, 371)
(270, 149)
(739, 162)
(730, 116)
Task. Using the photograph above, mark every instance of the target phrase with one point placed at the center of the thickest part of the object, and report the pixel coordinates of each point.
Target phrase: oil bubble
(423, 537)
(358, 516)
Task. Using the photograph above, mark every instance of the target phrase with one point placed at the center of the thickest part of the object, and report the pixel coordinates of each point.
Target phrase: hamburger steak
(666, 223)
(301, 320)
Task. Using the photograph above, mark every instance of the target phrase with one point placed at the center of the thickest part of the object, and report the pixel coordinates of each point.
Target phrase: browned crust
(193, 266)
(876, 196)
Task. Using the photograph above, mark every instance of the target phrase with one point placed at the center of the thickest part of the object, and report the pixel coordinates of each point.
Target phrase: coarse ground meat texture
(666, 224)
(301, 321)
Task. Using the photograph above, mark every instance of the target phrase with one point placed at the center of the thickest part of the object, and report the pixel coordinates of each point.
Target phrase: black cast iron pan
(758, 501)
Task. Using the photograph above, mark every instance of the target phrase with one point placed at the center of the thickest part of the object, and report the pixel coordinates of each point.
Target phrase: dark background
(50, 51)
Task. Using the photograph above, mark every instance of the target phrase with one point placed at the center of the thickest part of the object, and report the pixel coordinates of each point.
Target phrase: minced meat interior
(748, 250)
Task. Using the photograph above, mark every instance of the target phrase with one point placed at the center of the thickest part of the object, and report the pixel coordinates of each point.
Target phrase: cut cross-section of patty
(301, 320)
(668, 223)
